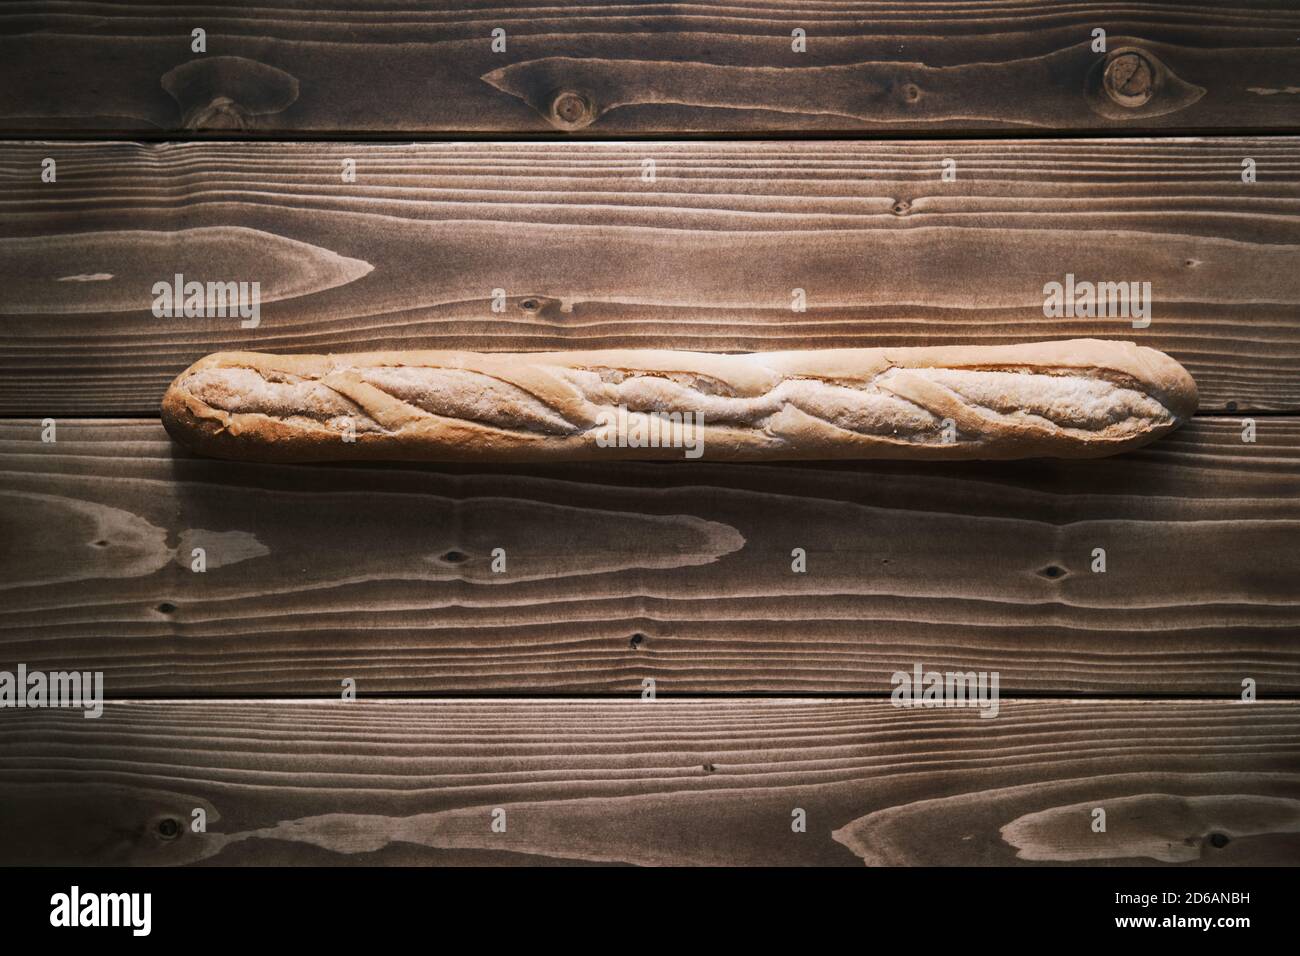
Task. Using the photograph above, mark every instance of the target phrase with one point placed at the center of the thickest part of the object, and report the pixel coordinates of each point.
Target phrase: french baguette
(1080, 398)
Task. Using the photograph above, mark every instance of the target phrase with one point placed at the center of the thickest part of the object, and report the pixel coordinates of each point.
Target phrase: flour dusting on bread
(1078, 398)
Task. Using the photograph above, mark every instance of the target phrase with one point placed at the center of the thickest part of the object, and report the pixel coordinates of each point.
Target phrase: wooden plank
(680, 572)
(414, 66)
(589, 254)
(415, 782)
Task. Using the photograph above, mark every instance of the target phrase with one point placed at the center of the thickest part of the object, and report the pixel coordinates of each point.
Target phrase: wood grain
(338, 67)
(680, 572)
(621, 572)
(588, 254)
(687, 782)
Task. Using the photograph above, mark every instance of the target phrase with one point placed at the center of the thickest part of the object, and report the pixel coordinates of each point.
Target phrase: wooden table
(587, 173)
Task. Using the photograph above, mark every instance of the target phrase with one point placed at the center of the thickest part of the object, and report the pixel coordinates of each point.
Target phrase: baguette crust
(1080, 398)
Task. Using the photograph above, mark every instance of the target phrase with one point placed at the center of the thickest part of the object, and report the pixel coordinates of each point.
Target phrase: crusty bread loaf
(1071, 399)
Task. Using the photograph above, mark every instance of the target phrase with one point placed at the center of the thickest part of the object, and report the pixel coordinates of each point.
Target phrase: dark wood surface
(680, 572)
(334, 67)
(679, 782)
(772, 686)
(590, 255)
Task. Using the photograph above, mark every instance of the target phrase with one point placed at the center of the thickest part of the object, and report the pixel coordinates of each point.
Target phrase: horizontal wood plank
(414, 66)
(679, 572)
(665, 782)
(588, 253)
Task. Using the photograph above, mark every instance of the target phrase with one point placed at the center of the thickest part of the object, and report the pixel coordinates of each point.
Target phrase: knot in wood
(570, 110)
(169, 828)
(1129, 79)
(221, 113)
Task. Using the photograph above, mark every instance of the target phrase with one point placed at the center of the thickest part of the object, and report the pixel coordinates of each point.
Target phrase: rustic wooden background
(522, 691)
(327, 67)
(591, 255)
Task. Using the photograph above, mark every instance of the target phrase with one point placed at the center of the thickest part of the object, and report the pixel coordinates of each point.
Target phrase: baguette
(1081, 398)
